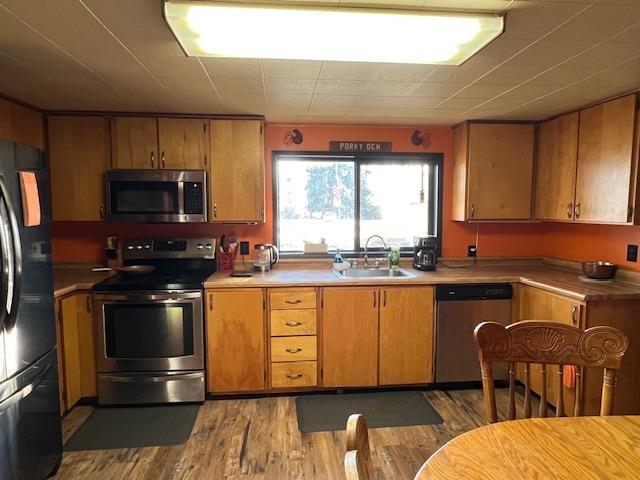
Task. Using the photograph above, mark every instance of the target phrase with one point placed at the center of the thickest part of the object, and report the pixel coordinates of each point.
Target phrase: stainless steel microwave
(156, 196)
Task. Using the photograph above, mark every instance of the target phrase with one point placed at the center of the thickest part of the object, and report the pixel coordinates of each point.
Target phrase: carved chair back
(357, 460)
(548, 343)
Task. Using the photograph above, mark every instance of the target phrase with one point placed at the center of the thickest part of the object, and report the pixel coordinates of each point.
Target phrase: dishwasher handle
(474, 291)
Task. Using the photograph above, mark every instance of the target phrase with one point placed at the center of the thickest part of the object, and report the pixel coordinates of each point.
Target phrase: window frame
(435, 160)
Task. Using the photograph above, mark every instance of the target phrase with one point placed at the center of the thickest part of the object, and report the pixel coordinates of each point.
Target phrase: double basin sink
(373, 273)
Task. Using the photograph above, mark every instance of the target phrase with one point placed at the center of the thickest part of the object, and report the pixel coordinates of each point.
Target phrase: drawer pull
(293, 324)
(294, 376)
(293, 302)
(294, 350)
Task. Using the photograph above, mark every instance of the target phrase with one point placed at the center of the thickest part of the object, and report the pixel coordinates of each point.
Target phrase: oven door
(149, 331)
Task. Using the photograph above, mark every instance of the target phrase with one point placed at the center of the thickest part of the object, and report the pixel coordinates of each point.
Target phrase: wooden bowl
(599, 270)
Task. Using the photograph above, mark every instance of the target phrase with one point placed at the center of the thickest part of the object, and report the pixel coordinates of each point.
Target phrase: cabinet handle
(577, 209)
(570, 210)
(374, 299)
(102, 212)
(162, 158)
(473, 210)
(293, 324)
(574, 316)
(211, 302)
(88, 303)
(294, 350)
(153, 159)
(205, 160)
(262, 212)
(215, 209)
(294, 376)
(384, 302)
(295, 301)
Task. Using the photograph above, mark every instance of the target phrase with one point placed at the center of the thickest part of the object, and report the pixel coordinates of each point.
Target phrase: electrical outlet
(471, 251)
(632, 253)
(244, 248)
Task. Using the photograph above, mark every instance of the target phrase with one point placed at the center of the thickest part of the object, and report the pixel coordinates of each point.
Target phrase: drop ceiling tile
(527, 92)
(367, 111)
(598, 23)
(400, 102)
(394, 72)
(333, 110)
(605, 55)
(462, 103)
(286, 110)
(348, 70)
(333, 100)
(392, 89)
(239, 84)
(562, 76)
(290, 86)
(300, 69)
(462, 74)
(533, 18)
(511, 74)
(400, 112)
(243, 98)
(502, 104)
(493, 6)
(438, 89)
(630, 35)
(340, 87)
(232, 67)
(547, 53)
(481, 90)
(278, 100)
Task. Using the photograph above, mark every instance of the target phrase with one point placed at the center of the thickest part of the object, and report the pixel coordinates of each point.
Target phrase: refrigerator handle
(16, 266)
(26, 390)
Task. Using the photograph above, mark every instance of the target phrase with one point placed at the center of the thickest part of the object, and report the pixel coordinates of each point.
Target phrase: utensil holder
(226, 262)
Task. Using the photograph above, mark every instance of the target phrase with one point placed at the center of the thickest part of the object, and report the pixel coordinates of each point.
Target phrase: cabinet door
(134, 142)
(557, 156)
(500, 171)
(237, 171)
(70, 350)
(79, 156)
(406, 335)
(350, 337)
(605, 166)
(235, 340)
(536, 304)
(87, 344)
(184, 143)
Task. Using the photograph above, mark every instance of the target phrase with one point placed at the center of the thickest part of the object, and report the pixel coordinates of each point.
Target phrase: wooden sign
(353, 146)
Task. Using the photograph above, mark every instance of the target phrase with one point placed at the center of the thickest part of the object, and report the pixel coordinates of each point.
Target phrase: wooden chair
(548, 343)
(357, 460)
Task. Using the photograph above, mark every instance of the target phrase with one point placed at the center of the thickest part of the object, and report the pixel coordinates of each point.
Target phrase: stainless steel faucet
(366, 248)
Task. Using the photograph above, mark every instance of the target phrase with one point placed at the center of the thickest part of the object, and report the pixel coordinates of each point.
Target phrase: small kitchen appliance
(149, 327)
(425, 253)
(265, 256)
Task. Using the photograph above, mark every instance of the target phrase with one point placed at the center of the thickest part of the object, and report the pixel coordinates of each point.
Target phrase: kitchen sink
(373, 273)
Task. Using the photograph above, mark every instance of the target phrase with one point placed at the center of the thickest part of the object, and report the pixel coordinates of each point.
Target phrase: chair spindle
(512, 391)
(527, 390)
(577, 408)
(542, 410)
(560, 399)
(608, 387)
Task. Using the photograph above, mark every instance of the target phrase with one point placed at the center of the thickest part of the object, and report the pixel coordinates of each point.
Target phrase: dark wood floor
(259, 439)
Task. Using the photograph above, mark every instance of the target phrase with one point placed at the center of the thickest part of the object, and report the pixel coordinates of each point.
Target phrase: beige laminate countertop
(564, 281)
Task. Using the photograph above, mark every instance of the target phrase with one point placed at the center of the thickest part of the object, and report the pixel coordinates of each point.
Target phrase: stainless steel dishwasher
(459, 309)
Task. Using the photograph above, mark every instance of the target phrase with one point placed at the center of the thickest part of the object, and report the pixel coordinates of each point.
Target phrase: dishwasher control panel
(478, 291)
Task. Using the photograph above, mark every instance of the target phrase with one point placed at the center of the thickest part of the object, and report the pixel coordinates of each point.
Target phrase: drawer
(293, 322)
(292, 299)
(294, 374)
(293, 349)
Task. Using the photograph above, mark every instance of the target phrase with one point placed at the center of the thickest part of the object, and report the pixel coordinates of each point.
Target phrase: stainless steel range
(150, 342)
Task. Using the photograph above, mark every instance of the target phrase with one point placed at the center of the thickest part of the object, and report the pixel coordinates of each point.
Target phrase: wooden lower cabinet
(235, 326)
(406, 335)
(294, 374)
(76, 349)
(350, 337)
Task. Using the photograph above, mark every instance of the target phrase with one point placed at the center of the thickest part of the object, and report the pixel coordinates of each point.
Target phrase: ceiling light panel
(240, 30)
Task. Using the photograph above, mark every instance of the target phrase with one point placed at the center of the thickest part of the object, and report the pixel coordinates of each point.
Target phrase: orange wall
(83, 242)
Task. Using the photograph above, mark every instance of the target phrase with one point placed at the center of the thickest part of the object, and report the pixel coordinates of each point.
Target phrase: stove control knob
(147, 246)
(130, 247)
(209, 247)
(199, 246)
(139, 247)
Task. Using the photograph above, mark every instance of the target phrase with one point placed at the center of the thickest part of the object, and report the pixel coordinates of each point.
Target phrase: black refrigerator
(30, 433)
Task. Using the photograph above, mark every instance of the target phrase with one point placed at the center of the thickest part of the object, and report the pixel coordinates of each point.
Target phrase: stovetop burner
(180, 265)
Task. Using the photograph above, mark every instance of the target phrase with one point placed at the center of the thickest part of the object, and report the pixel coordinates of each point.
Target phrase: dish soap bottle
(338, 257)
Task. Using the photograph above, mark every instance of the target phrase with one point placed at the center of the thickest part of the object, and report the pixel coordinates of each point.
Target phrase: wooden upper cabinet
(184, 143)
(235, 340)
(406, 335)
(79, 155)
(237, 171)
(21, 125)
(557, 156)
(606, 164)
(350, 337)
(493, 171)
(134, 142)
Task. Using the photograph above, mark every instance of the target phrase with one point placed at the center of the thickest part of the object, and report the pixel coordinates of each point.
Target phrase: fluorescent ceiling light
(243, 30)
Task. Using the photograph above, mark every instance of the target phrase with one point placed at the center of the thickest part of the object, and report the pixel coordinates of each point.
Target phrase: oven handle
(152, 379)
(125, 297)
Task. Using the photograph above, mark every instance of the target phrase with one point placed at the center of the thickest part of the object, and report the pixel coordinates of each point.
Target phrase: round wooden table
(585, 448)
